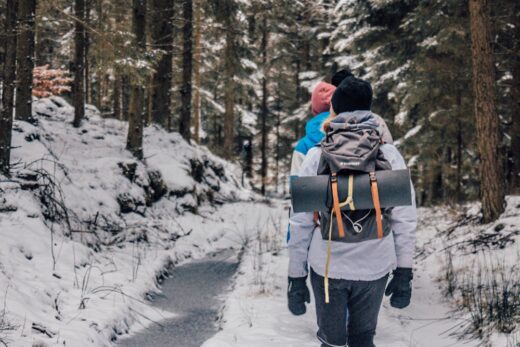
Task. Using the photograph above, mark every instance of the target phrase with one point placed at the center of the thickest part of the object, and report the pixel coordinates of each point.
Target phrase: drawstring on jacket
(328, 259)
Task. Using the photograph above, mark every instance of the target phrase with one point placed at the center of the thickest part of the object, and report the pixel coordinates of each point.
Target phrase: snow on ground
(87, 231)
(256, 313)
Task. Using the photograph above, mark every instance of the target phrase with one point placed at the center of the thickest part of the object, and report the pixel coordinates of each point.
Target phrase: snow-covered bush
(482, 273)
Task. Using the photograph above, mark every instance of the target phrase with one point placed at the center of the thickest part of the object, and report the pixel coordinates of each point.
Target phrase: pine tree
(79, 63)
(491, 169)
(162, 39)
(264, 110)
(134, 141)
(187, 69)
(25, 59)
(227, 11)
(439, 102)
(6, 117)
(197, 55)
(88, 90)
(515, 102)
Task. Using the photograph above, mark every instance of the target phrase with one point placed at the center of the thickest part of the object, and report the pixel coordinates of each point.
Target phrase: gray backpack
(352, 147)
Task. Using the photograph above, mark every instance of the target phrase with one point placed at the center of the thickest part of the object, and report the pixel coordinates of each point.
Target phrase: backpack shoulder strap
(336, 203)
(377, 205)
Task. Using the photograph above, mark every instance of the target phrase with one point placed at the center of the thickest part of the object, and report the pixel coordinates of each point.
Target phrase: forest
(236, 76)
(122, 122)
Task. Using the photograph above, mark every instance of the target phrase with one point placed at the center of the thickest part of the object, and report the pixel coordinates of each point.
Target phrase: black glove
(298, 295)
(400, 287)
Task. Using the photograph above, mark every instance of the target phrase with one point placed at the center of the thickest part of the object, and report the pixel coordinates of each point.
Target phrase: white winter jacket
(365, 261)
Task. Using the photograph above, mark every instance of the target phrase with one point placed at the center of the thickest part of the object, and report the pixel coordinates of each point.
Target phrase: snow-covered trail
(194, 294)
(256, 313)
(191, 299)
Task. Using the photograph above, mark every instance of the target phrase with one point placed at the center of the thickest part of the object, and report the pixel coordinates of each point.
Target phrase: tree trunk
(88, 91)
(229, 93)
(487, 121)
(78, 97)
(197, 55)
(25, 59)
(125, 95)
(297, 83)
(264, 110)
(149, 101)
(162, 37)
(118, 97)
(187, 68)
(6, 117)
(460, 148)
(515, 103)
(134, 141)
(277, 154)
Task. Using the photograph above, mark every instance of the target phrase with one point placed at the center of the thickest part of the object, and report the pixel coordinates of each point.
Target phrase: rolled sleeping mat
(313, 193)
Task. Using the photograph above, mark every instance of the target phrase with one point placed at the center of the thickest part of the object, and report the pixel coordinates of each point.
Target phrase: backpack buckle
(373, 177)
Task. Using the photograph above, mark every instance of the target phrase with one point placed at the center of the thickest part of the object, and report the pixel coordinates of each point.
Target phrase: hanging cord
(350, 197)
(358, 227)
(326, 283)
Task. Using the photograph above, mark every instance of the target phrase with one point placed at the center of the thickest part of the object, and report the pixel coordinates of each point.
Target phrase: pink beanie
(321, 96)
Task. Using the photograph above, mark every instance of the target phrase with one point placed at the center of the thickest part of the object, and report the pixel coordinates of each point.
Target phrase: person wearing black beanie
(340, 76)
(351, 95)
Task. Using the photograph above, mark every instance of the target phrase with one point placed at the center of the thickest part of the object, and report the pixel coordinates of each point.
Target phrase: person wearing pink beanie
(320, 106)
(321, 96)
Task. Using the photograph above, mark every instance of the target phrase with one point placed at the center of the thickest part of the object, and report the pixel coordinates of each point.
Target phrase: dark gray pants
(362, 299)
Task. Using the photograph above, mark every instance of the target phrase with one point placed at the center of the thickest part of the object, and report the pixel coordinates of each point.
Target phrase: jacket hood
(355, 120)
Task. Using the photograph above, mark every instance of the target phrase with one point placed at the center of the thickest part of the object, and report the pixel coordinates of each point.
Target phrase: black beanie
(351, 95)
(340, 76)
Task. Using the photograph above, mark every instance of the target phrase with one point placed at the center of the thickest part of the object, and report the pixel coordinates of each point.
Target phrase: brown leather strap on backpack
(335, 204)
(377, 205)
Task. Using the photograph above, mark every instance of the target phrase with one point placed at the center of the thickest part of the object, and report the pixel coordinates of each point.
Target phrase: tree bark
(25, 59)
(149, 100)
(229, 93)
(187, 69)
(487, 121)
(78, 97)
(197, 55)
(88, 91)
(134, 141)
(515, 103)
(297, 83)
(264, 110)
(118, 97)
(162, 37)
(277, 152)
(460, 148)
(6, 117)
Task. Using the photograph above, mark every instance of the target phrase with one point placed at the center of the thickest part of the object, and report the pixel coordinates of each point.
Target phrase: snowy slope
(256, 313)
(87, 231)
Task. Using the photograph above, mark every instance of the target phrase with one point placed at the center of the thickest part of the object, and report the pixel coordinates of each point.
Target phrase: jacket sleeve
(302, 224)
(386, 135)
(296, 163)
(403, 218)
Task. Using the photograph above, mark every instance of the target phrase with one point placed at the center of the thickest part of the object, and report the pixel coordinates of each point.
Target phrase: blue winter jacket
(313, 135)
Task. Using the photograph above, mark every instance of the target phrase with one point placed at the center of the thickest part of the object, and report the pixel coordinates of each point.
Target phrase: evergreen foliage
(258, 60)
